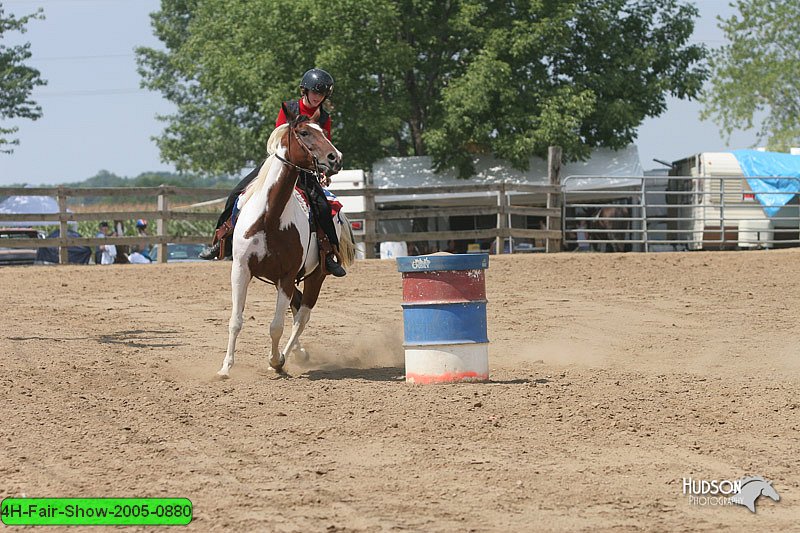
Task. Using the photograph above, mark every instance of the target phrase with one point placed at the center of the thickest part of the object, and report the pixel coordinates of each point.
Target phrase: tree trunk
(416, 121)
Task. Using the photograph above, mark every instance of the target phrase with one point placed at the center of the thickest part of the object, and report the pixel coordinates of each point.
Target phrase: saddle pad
(334, 202)
(303, 200)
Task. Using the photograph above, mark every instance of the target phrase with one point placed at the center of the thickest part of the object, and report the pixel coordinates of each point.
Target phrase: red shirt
(307, 111)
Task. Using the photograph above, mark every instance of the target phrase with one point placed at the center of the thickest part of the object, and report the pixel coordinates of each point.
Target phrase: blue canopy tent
(16, 205)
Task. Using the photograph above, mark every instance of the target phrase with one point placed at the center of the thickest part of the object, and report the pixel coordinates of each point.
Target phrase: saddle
(225, 231)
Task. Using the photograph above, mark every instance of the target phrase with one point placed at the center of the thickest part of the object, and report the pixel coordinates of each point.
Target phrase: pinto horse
(273, 238)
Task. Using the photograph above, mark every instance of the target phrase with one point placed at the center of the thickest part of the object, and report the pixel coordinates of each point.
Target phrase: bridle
(315, 172)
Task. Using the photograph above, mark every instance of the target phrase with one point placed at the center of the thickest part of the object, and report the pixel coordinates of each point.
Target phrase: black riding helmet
(317, 80)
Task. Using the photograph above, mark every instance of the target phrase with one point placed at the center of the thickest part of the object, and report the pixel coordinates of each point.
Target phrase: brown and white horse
(273, 238)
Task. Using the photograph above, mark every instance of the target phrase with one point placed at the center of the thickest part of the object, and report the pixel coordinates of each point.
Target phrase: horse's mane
(748, 479)
(272, 146)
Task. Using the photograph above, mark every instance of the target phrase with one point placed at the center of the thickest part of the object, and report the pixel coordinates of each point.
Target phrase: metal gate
(672, 213)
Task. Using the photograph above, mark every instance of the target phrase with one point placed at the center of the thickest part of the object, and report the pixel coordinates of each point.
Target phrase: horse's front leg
(302, 308)
(240, 279)
(285, 289)
(300, 353)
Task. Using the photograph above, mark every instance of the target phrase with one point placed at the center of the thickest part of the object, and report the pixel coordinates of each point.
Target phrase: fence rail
(675, 212)
(500, 195)
(162, 214)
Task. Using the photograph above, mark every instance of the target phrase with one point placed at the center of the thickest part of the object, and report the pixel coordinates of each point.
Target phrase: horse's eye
(304, 133)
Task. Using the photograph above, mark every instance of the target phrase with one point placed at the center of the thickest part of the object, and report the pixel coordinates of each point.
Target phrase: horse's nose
(335, 160)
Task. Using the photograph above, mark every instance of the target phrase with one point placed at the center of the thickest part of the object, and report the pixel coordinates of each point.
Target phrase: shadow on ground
(368, 374)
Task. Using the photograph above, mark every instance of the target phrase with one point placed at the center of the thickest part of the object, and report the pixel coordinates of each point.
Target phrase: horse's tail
(347, 245)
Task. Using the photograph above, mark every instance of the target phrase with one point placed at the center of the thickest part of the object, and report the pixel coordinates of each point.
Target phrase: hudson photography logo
(744, 491)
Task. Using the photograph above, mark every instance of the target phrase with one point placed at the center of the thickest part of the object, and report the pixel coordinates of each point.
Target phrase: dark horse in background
(610, 223)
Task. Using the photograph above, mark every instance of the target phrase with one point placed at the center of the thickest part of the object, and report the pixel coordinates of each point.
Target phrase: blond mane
(273, 143)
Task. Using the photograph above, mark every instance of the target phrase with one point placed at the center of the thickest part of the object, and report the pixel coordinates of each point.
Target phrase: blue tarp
(772, 192)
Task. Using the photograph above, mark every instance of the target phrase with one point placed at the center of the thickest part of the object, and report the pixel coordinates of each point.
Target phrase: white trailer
(720, 209)
(348, 180)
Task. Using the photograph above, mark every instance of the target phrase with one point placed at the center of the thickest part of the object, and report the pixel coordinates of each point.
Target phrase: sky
(96, 117)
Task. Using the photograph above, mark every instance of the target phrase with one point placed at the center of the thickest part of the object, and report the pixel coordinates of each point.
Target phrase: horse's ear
(315, 116)
(290, 117)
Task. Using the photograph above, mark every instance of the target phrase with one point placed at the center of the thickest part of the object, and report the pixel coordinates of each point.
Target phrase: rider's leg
(322, 213)
(225, 217)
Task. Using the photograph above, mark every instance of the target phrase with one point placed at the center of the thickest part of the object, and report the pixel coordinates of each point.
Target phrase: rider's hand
(324, 180)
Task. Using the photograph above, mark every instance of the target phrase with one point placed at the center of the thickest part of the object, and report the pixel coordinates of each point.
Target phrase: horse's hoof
(277, 365)
(223, 375)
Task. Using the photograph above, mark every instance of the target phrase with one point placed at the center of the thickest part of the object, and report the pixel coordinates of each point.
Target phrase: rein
(298, 167)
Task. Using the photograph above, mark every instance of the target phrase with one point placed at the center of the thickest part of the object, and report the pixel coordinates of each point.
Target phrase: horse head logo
(752, 488)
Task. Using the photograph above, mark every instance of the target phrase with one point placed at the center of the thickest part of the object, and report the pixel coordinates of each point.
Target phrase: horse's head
(769, 491)
(308, 147)
(751, 489)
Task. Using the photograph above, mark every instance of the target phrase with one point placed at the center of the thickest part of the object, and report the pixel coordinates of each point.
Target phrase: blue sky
(97, 118)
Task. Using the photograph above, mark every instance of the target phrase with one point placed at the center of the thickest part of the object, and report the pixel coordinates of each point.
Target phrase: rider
(315, 87)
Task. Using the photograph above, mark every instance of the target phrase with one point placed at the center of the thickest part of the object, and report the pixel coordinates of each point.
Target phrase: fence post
(553, 199)
(502, 221)
(63, 249)
(370, 224)
(643, 215)
(161, 224)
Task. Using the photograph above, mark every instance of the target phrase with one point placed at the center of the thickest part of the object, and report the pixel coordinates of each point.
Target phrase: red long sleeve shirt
(307, 111)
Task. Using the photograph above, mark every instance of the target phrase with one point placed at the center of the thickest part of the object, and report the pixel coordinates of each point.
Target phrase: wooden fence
(502, 209)
(166, 209)
(162, 213)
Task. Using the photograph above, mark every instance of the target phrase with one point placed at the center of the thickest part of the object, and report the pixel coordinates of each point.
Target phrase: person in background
(141, 230)
(137, 257)
(106, 253)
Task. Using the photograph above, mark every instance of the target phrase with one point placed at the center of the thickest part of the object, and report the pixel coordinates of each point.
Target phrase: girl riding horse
(273, 238)
(315, 87)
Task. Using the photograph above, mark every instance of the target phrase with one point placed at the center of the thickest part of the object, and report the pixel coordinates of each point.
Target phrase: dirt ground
(613, 377)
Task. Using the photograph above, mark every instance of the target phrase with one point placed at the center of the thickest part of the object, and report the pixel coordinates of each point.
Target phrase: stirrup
(211, 253)
(223, 231)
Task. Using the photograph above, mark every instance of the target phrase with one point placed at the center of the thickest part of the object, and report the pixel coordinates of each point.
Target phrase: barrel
(444, 317)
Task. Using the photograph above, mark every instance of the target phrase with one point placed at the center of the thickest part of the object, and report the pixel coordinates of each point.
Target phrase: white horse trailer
(719, 210)
(348, 180)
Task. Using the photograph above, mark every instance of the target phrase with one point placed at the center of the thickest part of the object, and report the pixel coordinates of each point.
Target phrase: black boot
(210, 253)
(333, 267)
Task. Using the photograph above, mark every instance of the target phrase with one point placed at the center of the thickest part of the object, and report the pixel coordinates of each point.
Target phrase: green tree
(425, 77)
(16, 80)
(758, 72)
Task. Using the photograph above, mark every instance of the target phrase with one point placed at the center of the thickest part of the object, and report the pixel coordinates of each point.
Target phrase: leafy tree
(758, 72)
(16, 80)
(104, 178)
(444, 78)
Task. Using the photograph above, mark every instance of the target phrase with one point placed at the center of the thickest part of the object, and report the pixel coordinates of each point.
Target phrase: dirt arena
(613, 377)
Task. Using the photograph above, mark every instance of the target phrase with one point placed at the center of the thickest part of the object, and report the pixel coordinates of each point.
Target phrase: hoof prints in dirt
(141, 338)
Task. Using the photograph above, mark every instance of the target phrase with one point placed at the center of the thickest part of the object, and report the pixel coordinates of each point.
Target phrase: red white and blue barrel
(444, 317)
